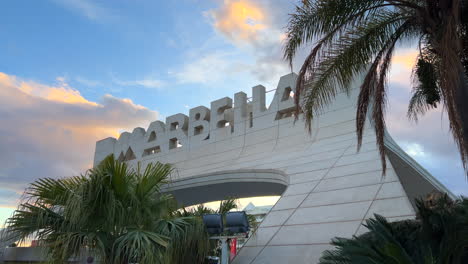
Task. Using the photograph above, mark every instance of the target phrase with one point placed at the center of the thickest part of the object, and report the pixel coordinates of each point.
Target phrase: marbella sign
(246, 148)
(223, 120)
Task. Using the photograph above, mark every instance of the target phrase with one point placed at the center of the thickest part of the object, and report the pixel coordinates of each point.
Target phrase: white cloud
(428, 141)
(415, 150)
(87, 82)
(50, 131)
(148, 82)
(208, 69)
(87, 8)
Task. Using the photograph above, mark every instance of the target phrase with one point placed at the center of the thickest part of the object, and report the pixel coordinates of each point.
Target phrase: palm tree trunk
(461, 101)
(453, 78)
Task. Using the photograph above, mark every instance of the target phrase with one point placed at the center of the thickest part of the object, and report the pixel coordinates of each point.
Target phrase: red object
(34, 243)
(233, 247)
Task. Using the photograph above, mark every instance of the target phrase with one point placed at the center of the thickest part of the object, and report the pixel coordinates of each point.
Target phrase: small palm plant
(439, 235)
(116, 213)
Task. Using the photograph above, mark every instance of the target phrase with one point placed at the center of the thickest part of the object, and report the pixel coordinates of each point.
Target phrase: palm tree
(117, 213)
(439, 235)
(225, 206)
(358, 37)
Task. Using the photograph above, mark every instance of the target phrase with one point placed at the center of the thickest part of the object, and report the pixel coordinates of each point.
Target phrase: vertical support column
(258, 100)
(224, 251)
(240, 113)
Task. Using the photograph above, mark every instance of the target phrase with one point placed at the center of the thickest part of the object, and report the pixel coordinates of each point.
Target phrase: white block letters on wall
(225, 119)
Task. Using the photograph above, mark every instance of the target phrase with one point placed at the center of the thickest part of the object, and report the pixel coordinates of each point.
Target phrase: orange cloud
(239, 19)
(255, 27)
(50, 131)
(63, 93)
(402, 65)
(405, 58)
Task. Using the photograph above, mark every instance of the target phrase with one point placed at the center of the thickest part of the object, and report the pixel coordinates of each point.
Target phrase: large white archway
(245, 147)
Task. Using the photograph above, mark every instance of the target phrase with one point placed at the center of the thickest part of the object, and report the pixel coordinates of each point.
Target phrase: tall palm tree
(117, 213)
(358, 37)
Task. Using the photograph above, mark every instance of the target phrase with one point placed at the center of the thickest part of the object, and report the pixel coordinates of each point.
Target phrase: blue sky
(75, 71)
(146, 51)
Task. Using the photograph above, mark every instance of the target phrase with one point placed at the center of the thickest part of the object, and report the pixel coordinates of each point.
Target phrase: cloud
(239, 20)
(87, 82)
(87, 8)
(405, 58)
(253, 31)
(428, 141)
(403, 62)
(256, 28)
(61, 93)
(149, 82)
(208, 69)
(50, 131)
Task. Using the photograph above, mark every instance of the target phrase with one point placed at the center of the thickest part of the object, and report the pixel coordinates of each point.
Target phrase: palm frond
(227, 205)
(426, 92)
(140, 246)
(379, 245)
(151, 179)
(312, 20)
(336, 67)
(189, 241)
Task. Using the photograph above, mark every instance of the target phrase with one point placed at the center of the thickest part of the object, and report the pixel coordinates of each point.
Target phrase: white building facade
(245, 149)
(259, 212)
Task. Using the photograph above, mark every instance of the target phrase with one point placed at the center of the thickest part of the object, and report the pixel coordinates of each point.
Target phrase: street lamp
(237, 222)
(213, 223)
(237, 226)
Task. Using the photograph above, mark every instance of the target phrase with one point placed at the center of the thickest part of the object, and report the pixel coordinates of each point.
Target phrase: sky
(75, 71)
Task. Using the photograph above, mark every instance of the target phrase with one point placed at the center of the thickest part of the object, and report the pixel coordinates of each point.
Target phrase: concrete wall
(329, 188)
(24, 254)
(36, 255)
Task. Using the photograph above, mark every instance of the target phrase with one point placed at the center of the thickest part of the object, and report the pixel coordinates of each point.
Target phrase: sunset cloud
(403, 62)
(405, 58)
(61, 93)
(51, 130)
(239, 19)
(256, 28)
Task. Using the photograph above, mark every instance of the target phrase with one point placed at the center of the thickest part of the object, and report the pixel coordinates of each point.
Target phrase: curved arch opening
(227, 184)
